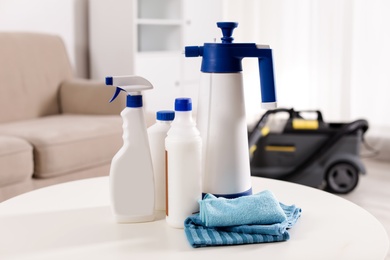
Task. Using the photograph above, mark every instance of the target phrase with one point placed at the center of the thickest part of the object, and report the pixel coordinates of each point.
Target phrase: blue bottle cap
(165, 115)
(183, 104)
(134, 101)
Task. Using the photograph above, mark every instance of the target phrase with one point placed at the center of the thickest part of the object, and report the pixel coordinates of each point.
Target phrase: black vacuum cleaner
(308, 151)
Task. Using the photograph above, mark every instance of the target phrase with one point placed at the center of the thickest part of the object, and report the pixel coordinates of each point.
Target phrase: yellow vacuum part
(265, 131)
(277, 148)
(303, 124)
(252, 149)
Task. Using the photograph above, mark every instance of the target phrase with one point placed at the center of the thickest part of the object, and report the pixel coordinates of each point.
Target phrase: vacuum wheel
(342, 178)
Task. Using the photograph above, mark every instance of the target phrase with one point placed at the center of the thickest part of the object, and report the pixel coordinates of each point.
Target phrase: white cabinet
(147, 38)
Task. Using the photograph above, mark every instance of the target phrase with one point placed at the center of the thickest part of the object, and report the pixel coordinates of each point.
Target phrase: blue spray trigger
(117, 91)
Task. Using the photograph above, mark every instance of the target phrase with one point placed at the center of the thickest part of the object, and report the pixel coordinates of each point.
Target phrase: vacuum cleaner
(306, 150)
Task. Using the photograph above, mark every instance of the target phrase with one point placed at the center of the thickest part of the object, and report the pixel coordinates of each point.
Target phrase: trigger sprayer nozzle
(128, 84)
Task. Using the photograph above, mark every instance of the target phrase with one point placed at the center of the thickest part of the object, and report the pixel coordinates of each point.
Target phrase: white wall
(370, 64)
(66, 18)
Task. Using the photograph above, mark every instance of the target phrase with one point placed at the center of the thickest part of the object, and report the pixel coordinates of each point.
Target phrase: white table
(73, 221)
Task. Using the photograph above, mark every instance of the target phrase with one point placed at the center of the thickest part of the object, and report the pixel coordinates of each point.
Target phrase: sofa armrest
(81, 96)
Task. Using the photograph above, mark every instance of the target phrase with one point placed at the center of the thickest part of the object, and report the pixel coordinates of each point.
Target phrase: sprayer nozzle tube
(193, 51)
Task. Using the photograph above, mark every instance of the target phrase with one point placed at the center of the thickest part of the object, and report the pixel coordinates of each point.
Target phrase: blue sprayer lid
(165, 115)
(226, 57)
(183, 104)
(134, 101)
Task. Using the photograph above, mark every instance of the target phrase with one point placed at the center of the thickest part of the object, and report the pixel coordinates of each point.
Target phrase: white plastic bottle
(157, 134)
(131, 172)
(183, 151)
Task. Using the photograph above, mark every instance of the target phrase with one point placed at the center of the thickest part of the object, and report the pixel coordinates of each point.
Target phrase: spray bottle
(131, 172)
(221, 117)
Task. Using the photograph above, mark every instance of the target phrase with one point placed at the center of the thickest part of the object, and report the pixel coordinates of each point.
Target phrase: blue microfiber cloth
(200, 235)
(261, 208)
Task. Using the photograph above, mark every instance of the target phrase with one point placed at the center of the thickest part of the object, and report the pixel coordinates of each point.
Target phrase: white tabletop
(73, 221)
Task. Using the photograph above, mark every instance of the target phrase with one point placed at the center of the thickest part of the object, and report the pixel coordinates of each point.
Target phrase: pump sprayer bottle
(221, 111)
(131, 172)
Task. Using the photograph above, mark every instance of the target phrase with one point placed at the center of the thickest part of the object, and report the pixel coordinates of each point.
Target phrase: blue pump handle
(227, 31)
(266, 68)
(267, 78)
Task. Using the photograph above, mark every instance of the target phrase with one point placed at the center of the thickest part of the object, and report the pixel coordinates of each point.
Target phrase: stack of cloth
(257, 218)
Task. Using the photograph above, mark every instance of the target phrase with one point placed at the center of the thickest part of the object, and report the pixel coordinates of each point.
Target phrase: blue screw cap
(183, 104)
(134, 101)
(165, 115)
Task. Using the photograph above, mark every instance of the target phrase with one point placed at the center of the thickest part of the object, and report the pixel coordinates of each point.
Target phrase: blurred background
(328, 55)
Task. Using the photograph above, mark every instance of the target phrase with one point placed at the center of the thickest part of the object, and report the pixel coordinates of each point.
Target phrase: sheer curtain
(329, 55)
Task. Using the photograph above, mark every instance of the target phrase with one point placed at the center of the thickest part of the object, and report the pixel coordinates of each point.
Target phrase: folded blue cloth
(200, 235)
(261, 208)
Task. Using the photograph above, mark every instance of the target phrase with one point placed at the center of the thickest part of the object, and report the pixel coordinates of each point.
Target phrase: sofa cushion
(66, 143)
(16, 160)
(33, 66)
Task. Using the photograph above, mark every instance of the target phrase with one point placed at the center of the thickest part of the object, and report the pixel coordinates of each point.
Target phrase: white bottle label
(183, 180)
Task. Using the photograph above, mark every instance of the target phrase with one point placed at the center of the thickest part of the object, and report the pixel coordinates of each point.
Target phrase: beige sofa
(53, 128)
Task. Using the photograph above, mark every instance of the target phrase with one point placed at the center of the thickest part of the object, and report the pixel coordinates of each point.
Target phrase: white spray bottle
(221, 111)
(131, 172)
